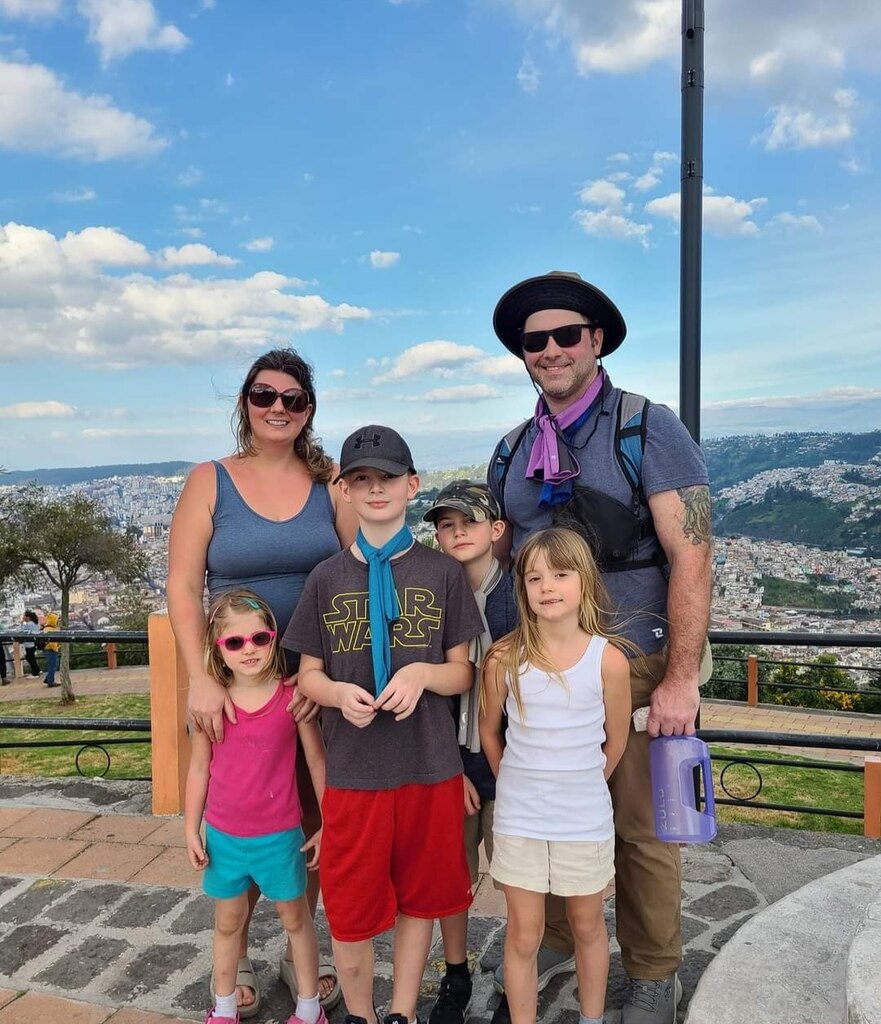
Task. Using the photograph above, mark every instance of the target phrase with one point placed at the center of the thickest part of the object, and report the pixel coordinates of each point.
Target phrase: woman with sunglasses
(261, 518)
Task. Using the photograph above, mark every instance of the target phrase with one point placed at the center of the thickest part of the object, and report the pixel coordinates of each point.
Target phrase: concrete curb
(863, 982)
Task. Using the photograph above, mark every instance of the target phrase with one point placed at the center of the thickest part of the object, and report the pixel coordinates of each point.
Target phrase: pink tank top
(252, 785)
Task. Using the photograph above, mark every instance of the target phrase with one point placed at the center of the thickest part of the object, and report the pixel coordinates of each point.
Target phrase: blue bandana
(382, 601)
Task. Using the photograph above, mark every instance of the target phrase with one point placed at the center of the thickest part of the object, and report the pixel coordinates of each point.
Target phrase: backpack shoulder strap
(630, 432)
(501, 460)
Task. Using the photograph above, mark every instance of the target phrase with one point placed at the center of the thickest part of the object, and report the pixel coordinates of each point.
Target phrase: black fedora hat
(558, 289)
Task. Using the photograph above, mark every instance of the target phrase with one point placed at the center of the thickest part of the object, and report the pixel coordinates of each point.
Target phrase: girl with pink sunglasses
(246, 790)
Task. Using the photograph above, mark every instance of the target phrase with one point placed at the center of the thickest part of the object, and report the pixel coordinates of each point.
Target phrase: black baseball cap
(376, 447)
(473, 499)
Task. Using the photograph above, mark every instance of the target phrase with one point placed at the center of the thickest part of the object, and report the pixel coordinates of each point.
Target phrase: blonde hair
(238, 602)
(307, 446)
(563, 550)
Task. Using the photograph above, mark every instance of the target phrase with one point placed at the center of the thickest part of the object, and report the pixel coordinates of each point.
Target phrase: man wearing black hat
(626, 473)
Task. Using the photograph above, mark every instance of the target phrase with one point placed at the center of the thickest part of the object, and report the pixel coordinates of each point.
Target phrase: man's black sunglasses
(263, 397)
(566, 337)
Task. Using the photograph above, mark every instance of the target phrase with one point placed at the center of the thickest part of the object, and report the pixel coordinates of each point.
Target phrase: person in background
(30, 624)
(51, 649)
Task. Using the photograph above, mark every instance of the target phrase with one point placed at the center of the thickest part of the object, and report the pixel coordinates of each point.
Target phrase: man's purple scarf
(550, 460)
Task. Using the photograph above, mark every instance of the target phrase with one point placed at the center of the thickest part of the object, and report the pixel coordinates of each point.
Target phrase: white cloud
(722, 215)
(855, 166)
(795, 222)
(263, 244)
(458, 393)
(426, 356)
(191, 232)
(36, 410)
(383, 260)
(528, 75)
(214, 206)
(619, 158)
(75, 195)
(610, 220)
(190, 176)
(525, 210)
(102, 247)
(338, 372)
(39, 115)
(345, 394)
(101, 433)
(501, 367)
(122, 27)
(33, 10)
(59, 304)
(791, 53)
(602, 192)
(606, 224)
(229, 79)
(655, 171)
(194, 254)
(796, 127)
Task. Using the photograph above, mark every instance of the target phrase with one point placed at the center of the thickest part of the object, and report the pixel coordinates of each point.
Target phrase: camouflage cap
(474, 499)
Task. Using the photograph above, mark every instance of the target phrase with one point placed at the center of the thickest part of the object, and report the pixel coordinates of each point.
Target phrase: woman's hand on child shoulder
(356, 705)
(313, 844)
(402, 694)
(196, 853)
(300, 706)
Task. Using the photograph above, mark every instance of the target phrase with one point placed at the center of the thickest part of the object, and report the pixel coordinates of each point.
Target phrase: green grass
(795, 786)
(127, 762)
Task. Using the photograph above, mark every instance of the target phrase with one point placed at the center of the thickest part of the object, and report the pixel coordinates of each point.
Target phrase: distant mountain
(731, 460)
(82, 474)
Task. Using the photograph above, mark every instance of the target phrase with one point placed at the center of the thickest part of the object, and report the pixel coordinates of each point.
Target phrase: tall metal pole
(691, 215)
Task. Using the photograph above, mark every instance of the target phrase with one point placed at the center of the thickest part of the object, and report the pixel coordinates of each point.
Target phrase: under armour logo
(375, 441)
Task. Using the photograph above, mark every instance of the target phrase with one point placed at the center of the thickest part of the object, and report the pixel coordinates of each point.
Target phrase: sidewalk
(102, 919)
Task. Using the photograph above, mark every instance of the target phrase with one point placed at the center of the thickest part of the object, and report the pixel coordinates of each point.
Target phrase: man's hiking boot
(550, 964)
(502, 1013)
(652, 1002)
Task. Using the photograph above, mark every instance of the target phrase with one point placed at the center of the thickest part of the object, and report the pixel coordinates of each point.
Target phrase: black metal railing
(97, 725)
(863, 744)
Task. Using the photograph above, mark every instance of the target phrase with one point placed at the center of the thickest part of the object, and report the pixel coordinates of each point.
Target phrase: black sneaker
(352, 1019)
(452, 1000)
(396, 1018)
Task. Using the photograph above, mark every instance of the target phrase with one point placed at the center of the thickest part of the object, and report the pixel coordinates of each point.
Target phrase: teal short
(274, 863)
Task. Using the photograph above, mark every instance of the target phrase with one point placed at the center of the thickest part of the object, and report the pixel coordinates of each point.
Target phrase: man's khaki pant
(648, 874)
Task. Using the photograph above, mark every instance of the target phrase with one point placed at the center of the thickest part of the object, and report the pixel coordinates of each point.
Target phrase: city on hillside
(797, 547)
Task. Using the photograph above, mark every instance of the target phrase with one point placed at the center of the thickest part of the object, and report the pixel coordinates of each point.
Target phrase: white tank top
(550, 783)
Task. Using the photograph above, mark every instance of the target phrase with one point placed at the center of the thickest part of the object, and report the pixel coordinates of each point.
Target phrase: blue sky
(186, 184)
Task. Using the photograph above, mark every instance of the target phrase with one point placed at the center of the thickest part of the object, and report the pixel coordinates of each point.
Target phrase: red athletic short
(392, 851)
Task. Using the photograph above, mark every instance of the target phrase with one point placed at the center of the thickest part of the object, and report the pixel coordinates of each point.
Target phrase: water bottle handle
(709, 795)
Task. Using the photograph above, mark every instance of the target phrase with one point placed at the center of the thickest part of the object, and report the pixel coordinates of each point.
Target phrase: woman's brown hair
(306, 446)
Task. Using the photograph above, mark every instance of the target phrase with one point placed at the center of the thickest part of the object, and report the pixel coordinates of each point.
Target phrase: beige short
(479, 829)
(563, 868)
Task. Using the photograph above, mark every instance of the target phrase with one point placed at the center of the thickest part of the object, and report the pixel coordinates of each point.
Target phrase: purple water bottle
(677, 816)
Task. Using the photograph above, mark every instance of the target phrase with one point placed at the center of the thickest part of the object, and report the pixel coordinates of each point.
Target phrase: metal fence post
(111, 655)
(17, 669)
(170, 746)
(752, 680)
(872, 798)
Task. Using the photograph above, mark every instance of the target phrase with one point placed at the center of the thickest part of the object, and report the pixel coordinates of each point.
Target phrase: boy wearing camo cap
(467, 521)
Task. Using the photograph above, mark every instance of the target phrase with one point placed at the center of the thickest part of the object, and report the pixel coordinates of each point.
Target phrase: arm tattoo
(696, 521)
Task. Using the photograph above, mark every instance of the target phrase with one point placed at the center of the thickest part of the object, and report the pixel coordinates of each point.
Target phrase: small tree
(66, 542)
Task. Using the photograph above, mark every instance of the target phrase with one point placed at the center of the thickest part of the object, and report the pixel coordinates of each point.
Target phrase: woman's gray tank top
(271, 558)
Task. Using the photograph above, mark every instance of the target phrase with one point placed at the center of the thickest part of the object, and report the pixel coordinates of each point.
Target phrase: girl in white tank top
(566, 692)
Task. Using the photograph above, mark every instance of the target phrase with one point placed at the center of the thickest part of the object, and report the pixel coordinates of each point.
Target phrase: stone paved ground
(98, 906)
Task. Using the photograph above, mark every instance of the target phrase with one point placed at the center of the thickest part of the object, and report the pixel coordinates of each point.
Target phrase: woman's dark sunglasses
(263, 397)
(566, 337)
(235, 642)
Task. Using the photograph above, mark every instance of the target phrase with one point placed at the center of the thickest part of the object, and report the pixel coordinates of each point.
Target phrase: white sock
(225, 1006)
(308, 1009)
(589, 1020)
